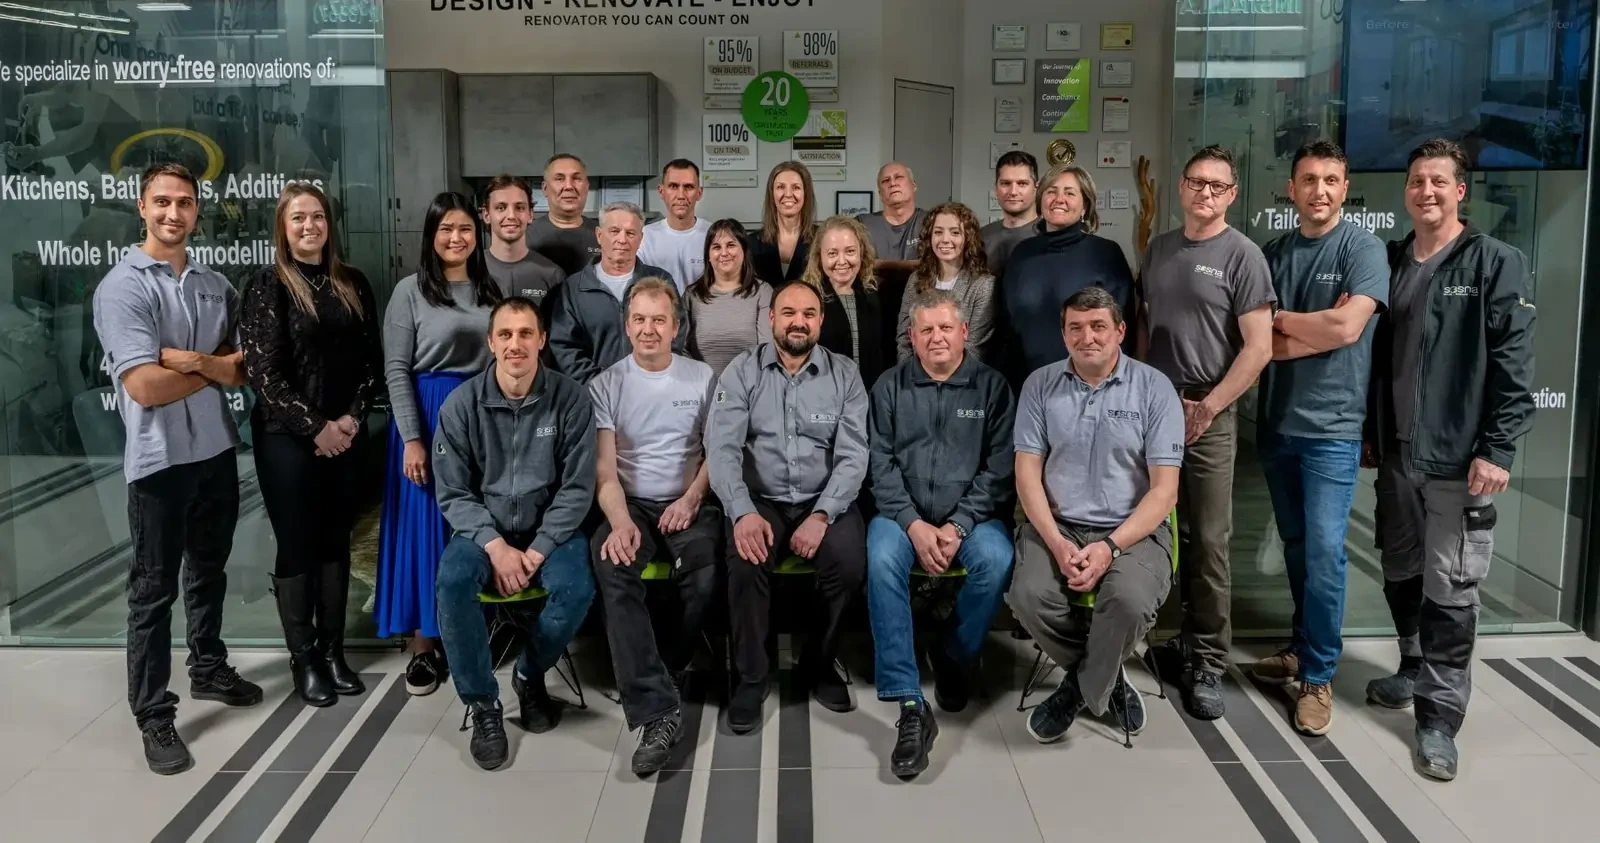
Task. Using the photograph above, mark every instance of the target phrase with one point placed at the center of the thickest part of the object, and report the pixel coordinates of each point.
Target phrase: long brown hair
(748, 282)
(808, 207)
(290, 275)
(974, 263)
(814, 274)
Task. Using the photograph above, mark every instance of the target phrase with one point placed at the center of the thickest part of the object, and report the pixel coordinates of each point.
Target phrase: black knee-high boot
(333, 593)
(295, 601)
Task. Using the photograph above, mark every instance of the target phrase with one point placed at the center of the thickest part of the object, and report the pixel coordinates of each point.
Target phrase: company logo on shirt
(211, 298)
(687, 403)
(722, 396)
(440, 449)
(823, 418)
(1124, 415)
(969, 414)
(1461, 291)
(544, 431)
(1328, 278)
(536, 295)
(1206, 270)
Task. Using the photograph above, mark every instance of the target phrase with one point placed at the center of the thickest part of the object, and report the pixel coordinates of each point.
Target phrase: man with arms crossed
(1099, 441)
(677, 241)
(519, 270)
(513, 466)
(564, 234)
(941, 474)
(167, 325)
(1443, 428)
(650, 410)
(786, 441)
(1016, 185)
(1331, 278)
(1208, 298)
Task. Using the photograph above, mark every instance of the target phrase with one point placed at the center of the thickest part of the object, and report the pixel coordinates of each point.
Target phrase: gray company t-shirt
(659, 419)
(1408, 310)
(1323, 396)
(998, 241)
(895, 242)
(1196, 291)
(533, 277)
(571, 249)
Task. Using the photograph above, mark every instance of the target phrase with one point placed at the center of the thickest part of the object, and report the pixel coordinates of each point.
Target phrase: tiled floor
(389, 767)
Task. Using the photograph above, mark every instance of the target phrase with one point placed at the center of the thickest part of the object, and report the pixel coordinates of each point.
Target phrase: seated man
(787, 445)
(650, 409)
(941, 473)
(1099, 444)
(513, 464)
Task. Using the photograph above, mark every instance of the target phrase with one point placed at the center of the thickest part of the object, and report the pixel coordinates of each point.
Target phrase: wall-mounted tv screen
(1508, 79)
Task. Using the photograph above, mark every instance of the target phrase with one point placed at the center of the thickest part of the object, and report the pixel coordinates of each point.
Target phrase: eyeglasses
(1217, 188)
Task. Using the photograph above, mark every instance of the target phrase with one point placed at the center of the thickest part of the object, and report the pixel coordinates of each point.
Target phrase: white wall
(1151, 97)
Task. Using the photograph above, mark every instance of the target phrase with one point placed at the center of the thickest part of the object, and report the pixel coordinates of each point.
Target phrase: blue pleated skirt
(412, 533)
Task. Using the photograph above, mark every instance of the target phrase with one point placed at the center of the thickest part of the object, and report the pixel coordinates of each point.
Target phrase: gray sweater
(977, 305)
(418, 337)
(728, 324)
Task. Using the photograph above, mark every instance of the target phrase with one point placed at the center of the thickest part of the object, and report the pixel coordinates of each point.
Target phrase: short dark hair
(517, 304)
(1324, 150)
(1017, 158)
(1092, 298)
(681, 164)
(167, 168)
(1442, 148)
(503, 181)
(1214, 152)
(808, 288)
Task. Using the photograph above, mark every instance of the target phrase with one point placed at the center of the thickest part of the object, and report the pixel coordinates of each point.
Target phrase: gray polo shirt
(895, 242)
(788, 439)
(1099, 443)
(139, 309)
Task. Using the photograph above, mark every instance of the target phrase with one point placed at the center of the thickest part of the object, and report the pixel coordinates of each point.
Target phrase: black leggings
(310, 500)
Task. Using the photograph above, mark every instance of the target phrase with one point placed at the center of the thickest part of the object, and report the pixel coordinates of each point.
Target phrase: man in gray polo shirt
(167, 325)
(786, 446)
(895, 231)
(1099, 444)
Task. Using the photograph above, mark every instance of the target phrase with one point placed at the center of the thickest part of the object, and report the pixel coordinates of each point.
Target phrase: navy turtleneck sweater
(1042, 272)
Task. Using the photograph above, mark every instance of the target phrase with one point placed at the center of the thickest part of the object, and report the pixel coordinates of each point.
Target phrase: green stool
(515, 611)
(656, 572)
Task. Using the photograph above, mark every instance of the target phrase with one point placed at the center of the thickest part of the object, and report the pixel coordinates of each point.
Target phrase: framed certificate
(1116, 36)
(1010, 38)
(1010, 72)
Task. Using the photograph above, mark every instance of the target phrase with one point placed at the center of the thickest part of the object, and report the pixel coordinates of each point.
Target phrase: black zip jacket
(1474, 393)
(587, 333)
(943, 452)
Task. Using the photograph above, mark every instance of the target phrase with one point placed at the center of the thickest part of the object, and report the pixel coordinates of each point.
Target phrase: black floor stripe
(733, 792)
(1547, 698)
(670, 803)
(1246, 790)
(1566, 682)
(795, 822)
(310, 816)
(1586, 664)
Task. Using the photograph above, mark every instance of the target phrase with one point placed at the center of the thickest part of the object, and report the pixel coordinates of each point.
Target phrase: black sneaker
(1049, 720)
(164, 751)
(680, 680)
(744, 709)
(225, 686)
(1127, 705)
(489, 746)
(539, 712)
(655, 743)
(917, 730)
(423, 674)
(950, 688)
(832, 691)
(1202, 692)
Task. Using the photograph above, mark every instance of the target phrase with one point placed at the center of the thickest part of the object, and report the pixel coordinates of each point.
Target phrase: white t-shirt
(682, 253)
(617, 284)
(658, 419)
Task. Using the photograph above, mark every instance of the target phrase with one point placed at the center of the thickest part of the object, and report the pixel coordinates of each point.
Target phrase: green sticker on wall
(775, 106)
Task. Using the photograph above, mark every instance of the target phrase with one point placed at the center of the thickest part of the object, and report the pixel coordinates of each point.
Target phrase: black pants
(841, 563)
(181, 519)
(310, 500)
(642, 654)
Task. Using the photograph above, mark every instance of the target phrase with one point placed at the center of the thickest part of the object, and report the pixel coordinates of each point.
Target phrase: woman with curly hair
(840, 269)
(952, 258)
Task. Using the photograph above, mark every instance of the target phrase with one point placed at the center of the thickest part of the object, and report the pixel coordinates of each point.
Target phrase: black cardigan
(877, 338)
(769, 265)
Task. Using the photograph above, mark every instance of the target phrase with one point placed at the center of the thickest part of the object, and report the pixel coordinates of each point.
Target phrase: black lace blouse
(309, 371)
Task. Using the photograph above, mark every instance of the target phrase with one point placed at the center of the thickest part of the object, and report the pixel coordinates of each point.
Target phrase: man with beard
(564, 234)
(786, 442)
(677, 241)
(519, 270)
(1016, 186)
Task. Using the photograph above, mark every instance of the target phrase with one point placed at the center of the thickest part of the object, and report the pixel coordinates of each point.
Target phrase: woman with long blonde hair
(309, 333)
(853, 322)
(951, 257)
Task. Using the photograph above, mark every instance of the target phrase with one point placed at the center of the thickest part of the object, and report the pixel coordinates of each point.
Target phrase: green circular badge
(775, 106)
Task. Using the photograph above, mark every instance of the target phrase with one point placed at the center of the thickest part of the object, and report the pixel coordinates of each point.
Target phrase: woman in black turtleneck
(309, 331)
(1065, 256)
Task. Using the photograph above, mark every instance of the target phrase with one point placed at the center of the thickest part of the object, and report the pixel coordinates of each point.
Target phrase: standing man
(1444, 428)
(1016, 186)
(519, 270)
(1331, 278)
(586, 313)
(895, 231)
(787, 446)
(1099, 441)
(564, 234)
(650, 411)
(1208, 296)
(513, 467)
(677, 241)
(167, 325)
(941, 474)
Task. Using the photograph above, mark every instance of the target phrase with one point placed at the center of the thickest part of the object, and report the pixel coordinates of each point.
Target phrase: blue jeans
(987, 556)
(1312, 482)
(464, 571)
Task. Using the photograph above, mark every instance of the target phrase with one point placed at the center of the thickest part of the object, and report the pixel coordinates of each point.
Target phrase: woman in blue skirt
(435, 335)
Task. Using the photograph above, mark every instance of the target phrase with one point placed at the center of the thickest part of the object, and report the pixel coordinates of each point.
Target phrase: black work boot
(333, 593)
(311, 679)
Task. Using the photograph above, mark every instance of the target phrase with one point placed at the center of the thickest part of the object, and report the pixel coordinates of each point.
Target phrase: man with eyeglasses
(586, 313)
(1208, 300)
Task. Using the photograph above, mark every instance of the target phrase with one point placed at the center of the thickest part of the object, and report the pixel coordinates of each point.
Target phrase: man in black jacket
(513, 468)
(941, 473)
(1442, 430)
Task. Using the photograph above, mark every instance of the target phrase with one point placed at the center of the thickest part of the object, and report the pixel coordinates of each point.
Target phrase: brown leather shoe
(1313, 710)
(1280, 668)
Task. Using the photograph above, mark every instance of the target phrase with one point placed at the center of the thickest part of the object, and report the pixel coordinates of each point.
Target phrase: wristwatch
(1115, 551)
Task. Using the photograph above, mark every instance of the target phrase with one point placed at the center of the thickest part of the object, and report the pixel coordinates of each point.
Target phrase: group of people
(585, 400)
